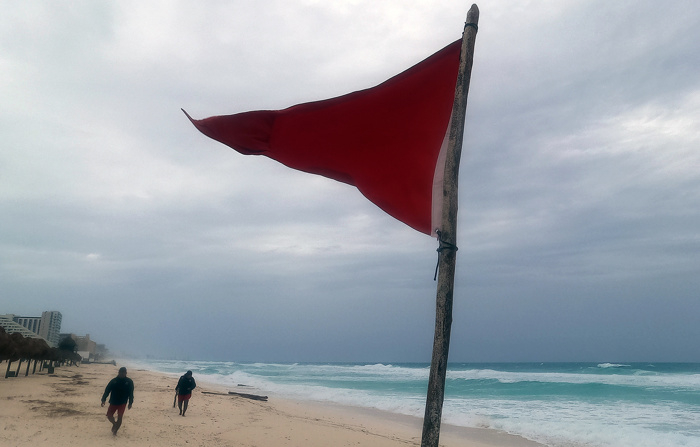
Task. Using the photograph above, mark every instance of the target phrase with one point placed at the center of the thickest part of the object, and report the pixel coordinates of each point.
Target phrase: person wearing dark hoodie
(184, 391)
(121, 390)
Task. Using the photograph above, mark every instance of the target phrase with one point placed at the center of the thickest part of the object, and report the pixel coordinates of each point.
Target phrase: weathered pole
(448, 239)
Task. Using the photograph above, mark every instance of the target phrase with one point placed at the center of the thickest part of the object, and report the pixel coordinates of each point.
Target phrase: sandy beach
(63, 409)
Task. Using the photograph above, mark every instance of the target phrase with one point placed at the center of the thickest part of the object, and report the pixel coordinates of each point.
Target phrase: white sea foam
(640, 379)
(561, 422)
(612, 365)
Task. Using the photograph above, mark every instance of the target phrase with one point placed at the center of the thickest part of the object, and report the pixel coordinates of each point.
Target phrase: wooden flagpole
(448, 239)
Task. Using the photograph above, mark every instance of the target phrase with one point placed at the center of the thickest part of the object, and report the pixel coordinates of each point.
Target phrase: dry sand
(63, 409)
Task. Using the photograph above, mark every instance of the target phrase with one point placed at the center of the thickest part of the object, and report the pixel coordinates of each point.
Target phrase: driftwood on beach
(247, 396)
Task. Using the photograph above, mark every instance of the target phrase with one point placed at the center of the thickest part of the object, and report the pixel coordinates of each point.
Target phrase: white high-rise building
(50, 326)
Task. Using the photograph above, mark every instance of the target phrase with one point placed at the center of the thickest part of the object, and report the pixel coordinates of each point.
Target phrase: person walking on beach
(184, 391)
(121, 389)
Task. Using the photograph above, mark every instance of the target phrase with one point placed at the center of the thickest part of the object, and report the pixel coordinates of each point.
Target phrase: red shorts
(119, 409)
(182, 397)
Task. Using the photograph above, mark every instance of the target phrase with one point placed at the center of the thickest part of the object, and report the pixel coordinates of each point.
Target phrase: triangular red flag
(388, 141)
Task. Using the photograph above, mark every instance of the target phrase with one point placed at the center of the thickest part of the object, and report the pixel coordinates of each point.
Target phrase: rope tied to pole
(473, 25)
(442, 245)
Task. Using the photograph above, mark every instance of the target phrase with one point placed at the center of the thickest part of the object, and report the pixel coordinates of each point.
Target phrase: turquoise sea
(557, 404)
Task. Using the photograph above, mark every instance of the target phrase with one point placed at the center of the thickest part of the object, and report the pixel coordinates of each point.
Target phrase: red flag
(386, 140)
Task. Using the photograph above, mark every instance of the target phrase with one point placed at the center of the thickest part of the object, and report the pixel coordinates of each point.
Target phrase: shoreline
(63, 409)
(413, 426)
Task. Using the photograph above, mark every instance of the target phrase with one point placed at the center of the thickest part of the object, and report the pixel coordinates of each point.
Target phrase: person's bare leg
(179, 405)
(110, 418)
(185, 407)
(117, 424)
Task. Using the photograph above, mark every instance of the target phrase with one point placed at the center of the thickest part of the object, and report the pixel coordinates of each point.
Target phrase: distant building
(30, 323)
(47, 326)
(50, 326)
(85, 344)
(11, 327)
(88, 349)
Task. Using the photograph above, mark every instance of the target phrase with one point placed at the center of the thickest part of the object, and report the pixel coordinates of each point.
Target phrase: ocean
(557, 404)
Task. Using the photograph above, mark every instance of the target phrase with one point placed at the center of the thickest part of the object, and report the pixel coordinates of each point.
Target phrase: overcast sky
(579, 230)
